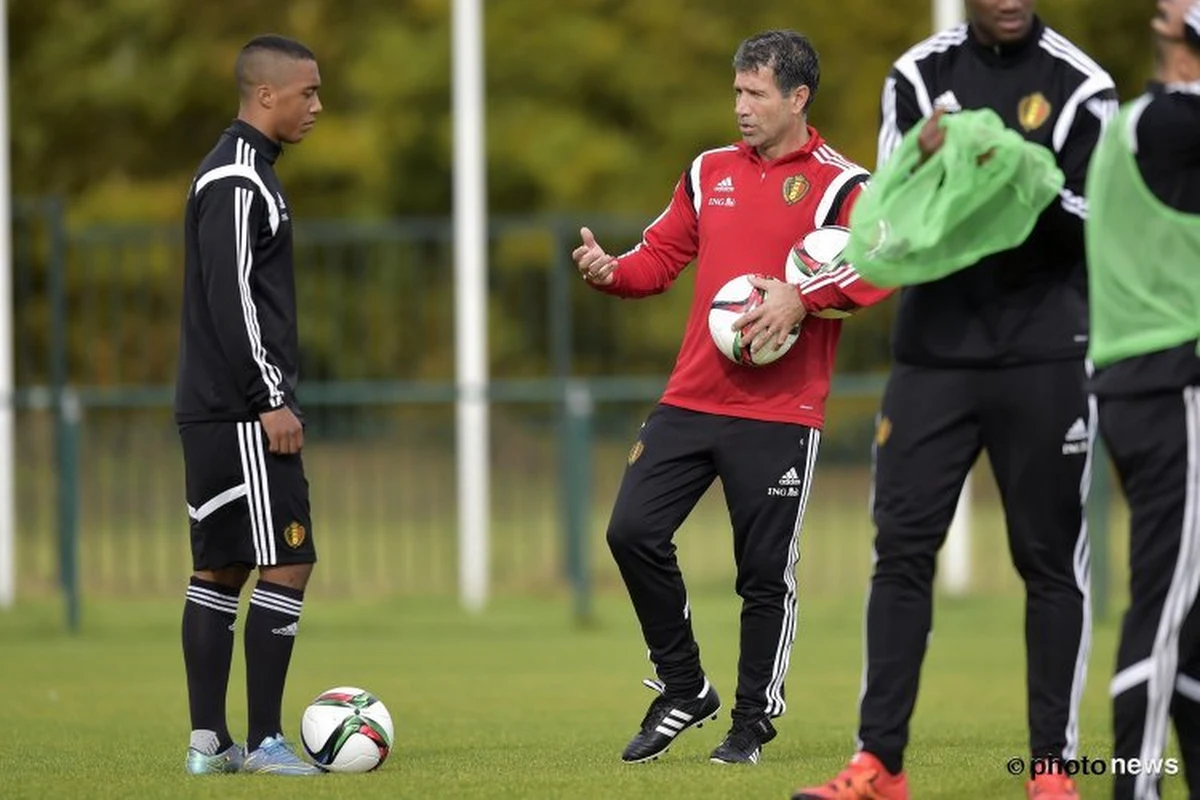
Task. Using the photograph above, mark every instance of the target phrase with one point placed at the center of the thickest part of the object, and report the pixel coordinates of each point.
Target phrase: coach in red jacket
(736, 209)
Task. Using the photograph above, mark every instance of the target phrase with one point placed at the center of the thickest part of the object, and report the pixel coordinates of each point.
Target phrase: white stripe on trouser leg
(1131, 676)
(1181, 595)
(217, 502)
(268, 513)
(249, 475)
(787, 633)
(245, 434)
(1082, 564)
(1188, 688)
(262, 547)
(259, 491)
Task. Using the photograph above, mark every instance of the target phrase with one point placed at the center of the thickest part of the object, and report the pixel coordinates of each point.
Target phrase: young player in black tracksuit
(989, 358)
(235, 402)
(1148, 386)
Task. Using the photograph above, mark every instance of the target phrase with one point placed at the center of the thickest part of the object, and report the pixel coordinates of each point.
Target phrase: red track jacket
(734, 213)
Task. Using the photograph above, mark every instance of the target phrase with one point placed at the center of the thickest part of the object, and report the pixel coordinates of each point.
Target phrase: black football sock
(270, 633)
(209, 615)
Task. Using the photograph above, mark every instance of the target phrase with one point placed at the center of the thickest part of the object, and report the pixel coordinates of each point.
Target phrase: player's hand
(932, 137)
(285, 434)
(775, 317)
(595, 265)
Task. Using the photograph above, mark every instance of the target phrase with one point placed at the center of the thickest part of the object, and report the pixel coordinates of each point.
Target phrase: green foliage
(594, 107)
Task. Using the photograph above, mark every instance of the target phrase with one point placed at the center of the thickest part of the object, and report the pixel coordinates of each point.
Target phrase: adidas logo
(674, 722)
(791, 478)
(1077, 432)
(789, 484)
(947, 101)
(1076, 440)
(724, 185)
(286, 630)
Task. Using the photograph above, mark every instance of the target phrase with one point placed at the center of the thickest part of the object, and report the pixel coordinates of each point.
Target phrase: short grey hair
(790, 55)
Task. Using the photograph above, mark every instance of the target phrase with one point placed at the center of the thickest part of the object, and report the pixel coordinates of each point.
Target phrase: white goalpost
(954, 569)
(470, 304)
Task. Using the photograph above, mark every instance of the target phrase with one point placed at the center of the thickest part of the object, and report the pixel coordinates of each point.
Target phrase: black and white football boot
(668, 717)
(743, 744)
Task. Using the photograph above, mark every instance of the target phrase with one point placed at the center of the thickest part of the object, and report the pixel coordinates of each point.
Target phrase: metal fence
(99, 475)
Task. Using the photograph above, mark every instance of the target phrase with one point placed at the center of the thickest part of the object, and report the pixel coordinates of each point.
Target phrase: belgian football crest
(794, 189)
(293, 534)
(883, 431)
(1033, 111)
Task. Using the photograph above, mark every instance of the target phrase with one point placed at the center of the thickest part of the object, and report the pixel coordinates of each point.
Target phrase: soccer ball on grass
(347, 729)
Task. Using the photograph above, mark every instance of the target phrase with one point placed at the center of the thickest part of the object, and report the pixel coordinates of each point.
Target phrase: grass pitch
(518, 702)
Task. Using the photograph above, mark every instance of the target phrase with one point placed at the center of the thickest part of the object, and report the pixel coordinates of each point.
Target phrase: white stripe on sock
(283, 601)
(214, 606)
(214, 599)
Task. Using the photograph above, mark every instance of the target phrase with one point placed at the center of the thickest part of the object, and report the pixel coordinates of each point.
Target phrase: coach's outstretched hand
(285, 434)
(595, 265)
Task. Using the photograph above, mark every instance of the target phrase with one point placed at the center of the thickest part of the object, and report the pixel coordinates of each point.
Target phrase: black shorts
(246, 504)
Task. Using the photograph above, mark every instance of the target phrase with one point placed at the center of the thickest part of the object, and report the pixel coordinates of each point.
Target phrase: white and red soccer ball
(347, 729)
(818, 253)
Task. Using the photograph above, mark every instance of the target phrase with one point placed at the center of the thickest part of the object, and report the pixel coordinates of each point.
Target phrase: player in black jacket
(238, 417)
(992, 357)
(1149, 406)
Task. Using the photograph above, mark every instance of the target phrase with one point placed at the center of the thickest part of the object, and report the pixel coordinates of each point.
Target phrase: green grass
(518, 702)
(515, 703)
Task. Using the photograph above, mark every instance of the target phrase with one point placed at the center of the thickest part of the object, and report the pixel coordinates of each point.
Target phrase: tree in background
(592, 105)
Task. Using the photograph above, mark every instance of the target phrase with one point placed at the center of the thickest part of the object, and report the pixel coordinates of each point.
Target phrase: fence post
(577, 479)
(576, 427)
(559, 313)
(70, 415)
(1099, 506)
